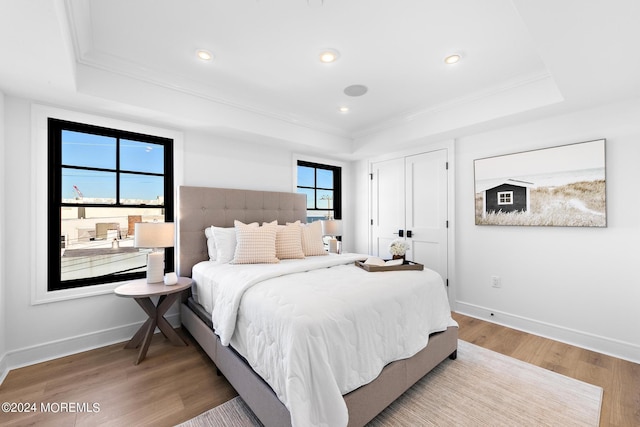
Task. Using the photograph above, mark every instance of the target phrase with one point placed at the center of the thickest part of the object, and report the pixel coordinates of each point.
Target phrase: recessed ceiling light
(452, 59)
(343, 109)
(355, 90)
(329, 55)
(204, 55)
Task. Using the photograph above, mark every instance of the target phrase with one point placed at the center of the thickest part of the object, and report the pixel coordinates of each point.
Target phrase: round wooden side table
(142, 292)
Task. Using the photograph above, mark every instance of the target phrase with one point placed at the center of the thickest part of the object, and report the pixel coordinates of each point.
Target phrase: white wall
(3, 320)
(214, 161)
(578, 285)
(227, 163)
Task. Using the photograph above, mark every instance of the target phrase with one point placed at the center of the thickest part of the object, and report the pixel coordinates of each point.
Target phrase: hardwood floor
(171, 385)
(174, 384)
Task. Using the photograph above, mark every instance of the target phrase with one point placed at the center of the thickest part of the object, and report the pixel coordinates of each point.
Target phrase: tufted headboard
(201, 207)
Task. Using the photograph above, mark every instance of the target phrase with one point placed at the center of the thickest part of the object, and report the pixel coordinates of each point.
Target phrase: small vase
(398, 257)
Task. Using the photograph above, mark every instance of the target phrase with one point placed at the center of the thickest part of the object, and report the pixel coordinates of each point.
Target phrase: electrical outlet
(496, 282)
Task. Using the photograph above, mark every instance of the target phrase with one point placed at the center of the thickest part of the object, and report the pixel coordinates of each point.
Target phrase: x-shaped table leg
(156, 314)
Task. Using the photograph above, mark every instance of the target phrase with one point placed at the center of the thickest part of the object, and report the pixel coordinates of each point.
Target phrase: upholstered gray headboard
(201, 207)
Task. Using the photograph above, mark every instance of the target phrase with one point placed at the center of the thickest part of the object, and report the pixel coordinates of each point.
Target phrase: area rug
(479, 388)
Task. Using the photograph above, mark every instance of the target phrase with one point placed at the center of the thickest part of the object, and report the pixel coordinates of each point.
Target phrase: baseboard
(55, 349)
(4, 369)
(600, 344)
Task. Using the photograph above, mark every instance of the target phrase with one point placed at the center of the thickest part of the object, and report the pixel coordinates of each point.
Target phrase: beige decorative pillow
(225, 243)
(289, 242)
(255, 245)
(312, 239)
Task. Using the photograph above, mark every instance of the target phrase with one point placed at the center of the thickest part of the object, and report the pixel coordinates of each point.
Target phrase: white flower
(398, 247)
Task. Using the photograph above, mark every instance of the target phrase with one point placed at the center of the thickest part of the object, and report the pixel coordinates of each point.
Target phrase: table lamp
(333, 229)
(156, 236)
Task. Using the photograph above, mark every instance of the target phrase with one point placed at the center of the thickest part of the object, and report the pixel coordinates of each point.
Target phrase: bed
(201, 207)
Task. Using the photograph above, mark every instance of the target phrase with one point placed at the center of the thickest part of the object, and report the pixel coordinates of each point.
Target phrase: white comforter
(315, 333)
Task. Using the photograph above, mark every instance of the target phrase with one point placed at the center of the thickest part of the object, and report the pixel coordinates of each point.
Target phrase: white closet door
(426, 209)
(387, 205)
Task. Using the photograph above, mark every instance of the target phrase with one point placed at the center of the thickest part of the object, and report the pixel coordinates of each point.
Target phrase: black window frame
(337, 186)
(55, 203)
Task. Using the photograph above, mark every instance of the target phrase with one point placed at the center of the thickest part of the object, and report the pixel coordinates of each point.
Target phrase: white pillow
(255, 245)
(211, 243)
(225, 242)
(312, 243)
(289, 242)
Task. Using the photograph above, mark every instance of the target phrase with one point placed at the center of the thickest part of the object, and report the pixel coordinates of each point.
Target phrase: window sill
(42, 296)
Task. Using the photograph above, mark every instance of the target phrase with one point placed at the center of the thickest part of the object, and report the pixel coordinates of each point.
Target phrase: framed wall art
(561, 186)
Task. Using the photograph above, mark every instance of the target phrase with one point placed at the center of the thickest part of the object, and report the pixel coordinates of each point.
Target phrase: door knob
(409, 234)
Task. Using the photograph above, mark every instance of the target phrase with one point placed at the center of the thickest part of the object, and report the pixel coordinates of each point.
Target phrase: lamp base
(155, 267)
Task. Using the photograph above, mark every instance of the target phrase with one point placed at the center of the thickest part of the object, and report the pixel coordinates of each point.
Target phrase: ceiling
(519, 59)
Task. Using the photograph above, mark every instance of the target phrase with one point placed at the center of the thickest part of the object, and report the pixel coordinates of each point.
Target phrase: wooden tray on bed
(407, 265)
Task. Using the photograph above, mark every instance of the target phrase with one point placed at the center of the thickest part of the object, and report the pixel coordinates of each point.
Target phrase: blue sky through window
(96, 151)
(325, 178)
(305, 176)
(320, 195)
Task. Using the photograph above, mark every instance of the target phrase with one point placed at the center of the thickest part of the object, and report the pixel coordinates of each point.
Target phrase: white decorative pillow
(211, 243)
(289, 242)
(312, 243)
(225, 242)
(255, 245)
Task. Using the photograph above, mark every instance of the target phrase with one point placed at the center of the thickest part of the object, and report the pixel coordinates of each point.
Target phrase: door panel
(387, 204)
(427, 253)
(426, 209)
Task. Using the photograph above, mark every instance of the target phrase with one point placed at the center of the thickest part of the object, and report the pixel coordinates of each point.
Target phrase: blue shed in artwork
(508, 196)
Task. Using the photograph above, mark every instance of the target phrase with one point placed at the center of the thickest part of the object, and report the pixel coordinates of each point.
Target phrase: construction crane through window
(78, 192)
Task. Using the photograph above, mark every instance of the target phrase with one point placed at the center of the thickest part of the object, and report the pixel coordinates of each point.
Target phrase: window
(101, 182)
(322, 186)
(505, 197)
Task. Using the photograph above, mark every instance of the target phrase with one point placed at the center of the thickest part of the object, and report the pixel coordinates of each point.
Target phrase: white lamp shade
(154, 235)
(332, 227)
